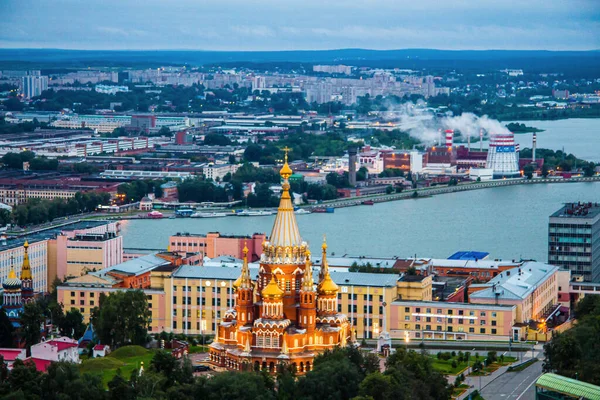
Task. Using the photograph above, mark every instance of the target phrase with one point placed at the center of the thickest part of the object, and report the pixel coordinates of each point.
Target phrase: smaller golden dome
(327, 286)
(272, 290)
(237, 282)
(11, 274)
(26, 244)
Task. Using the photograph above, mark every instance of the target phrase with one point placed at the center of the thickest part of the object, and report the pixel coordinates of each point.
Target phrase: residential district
(80, 154)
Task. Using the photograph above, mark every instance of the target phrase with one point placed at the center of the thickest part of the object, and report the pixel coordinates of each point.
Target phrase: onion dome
(327, 286)
(12, 282)
(286, 171)
(272, 290)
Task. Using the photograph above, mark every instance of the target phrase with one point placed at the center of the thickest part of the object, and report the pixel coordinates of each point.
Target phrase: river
(580, 136)
(508, 222)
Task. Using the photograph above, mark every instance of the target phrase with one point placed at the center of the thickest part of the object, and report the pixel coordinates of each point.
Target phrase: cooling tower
(502, 156)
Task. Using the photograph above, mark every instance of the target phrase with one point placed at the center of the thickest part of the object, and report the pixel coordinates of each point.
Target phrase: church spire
(285, 229)
(326, 285)
(26, 277)
(324, 263)
(308, 282)
(244, 281)
(26, 268)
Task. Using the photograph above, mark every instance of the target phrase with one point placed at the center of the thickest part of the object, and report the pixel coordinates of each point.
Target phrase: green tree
(6, 330)
(72, 324)
(528, 171)
(31, 323)
(215, 139)
(122, 318)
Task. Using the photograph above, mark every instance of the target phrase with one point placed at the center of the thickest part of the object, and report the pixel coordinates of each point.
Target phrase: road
(514, 385)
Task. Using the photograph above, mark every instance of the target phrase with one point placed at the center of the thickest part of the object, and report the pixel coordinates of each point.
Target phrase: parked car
(202, 368)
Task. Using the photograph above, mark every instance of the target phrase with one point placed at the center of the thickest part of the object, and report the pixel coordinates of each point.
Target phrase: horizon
(310, 25)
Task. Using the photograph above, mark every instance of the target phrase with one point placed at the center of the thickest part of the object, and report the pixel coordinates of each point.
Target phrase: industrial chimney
(534, 146)
(352, 165)
(449, 137)
(481, 140)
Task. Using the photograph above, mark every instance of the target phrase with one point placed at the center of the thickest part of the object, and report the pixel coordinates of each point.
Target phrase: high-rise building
(33, 84)
(574, 240)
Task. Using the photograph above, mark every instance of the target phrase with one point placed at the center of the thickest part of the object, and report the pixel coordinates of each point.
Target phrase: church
(284, 316)
(17, 292)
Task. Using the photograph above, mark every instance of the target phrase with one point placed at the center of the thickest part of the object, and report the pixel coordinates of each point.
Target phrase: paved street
(514, 385)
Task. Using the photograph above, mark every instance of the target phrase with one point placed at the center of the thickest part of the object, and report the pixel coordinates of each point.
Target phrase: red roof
(99, 347)
(61, 345)
(10, 354)
(40, 365)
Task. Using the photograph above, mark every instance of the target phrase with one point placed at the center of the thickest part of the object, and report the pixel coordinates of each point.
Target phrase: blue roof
(469, 255)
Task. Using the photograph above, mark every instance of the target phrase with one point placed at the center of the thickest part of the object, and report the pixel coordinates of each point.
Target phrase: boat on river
(209, 215)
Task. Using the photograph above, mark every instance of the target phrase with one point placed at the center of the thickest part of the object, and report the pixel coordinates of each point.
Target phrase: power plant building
(502, 156)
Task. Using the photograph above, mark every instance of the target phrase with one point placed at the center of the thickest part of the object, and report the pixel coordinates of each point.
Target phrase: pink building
(59, 349)
(214, 245)
(76, 252)
(11, 355)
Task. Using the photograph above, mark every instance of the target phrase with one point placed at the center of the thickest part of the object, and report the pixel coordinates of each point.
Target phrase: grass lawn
(457, 391)
(198, 349)
(127, 359)
(445, 366)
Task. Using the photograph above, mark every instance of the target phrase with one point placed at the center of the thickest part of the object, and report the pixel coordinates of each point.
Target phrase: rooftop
(340, 278)
(469, 255)
(578, 211)
(49, 233)
(136, 266)
(517, 283)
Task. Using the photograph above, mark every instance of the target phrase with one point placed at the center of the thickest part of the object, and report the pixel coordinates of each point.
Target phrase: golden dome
(272, 290)
(286, 171)
(327, 286)
(12, 282)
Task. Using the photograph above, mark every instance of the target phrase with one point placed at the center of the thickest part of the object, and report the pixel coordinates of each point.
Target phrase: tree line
(575, 353)
(341, 373)
(38, 211)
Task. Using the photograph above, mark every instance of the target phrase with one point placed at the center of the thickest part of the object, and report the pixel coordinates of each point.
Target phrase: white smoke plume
(423, 124)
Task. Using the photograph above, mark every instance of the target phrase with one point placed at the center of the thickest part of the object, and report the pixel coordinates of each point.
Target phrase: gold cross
(286, 150)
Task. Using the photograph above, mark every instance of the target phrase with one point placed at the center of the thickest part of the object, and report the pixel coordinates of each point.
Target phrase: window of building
(482, 330)
(92, 294)
(81, 294)
(174, 324)
(418, 326)
(482, 322)
(471, 330)
(407, 317)
(339, 307)
(461, 312)
(91, 302)
(460, 321)
(417, 334)
(72, 301)
(370, 297)
(472, 313)
(81, 310)
(174, 299)
(493, 323)
(364, 297)
(380, 310)
(349, 308)
(450, 312)
(428, 311)
(471, 322)
(72, 294)
(418, 309)
(493, 331)
(427, 327)
(449, 329)
(494, 315)
(449, 320)
(427, 319)
(406, 309)
(439, 328)
(482, 314)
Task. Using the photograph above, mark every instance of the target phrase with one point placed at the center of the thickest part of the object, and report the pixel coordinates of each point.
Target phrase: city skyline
(311, 25)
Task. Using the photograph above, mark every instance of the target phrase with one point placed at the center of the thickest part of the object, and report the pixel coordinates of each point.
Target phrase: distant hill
(532, 60)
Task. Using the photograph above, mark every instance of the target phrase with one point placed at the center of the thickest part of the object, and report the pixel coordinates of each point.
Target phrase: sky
(300, 25)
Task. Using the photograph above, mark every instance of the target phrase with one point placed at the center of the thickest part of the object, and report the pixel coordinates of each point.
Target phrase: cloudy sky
(304, 24)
